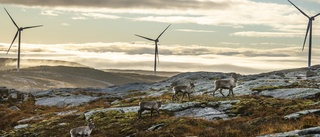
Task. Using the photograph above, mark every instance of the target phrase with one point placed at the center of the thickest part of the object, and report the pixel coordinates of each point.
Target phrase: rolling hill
(70, 75)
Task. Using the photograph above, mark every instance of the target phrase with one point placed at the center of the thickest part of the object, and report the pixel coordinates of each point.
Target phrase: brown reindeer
(226, 84)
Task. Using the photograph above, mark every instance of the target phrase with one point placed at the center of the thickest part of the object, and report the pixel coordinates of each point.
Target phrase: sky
(243, 36)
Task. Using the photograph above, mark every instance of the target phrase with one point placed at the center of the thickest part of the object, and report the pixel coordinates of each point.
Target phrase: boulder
(155, 127)
(17, 127)
(15, 108)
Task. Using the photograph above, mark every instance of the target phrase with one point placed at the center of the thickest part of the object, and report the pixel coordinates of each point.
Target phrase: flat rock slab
(207, 113)
(120, 109)
(301, 113)
(310, 132)
(61, 101)
(294, 93)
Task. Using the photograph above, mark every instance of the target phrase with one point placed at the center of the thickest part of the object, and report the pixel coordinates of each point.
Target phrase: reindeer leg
(232, 92)
(151, 112)
(229, 92)
(214, 91)
(181, 99)
(173, 97)
(221, 92)
(158, 112)
(139, 113)
(188, 96)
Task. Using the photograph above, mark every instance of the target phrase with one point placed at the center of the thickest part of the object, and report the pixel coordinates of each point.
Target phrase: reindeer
(182, 89)
(149, 105)
(226, 84)
(83, 130)
(4, 94)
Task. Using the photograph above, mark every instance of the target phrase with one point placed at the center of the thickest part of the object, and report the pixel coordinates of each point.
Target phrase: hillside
(279, 103)
(48, 77)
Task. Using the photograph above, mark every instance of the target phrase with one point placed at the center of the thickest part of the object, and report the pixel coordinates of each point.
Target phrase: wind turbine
(309, 28)
(19, 30)
(156, 55)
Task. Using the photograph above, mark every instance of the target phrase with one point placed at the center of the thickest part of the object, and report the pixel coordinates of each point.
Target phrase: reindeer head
(192, 85)
(91, 124)
(234, 75)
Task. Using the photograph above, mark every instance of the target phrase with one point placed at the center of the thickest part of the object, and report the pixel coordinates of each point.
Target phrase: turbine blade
(299, 9)
(11, 18)
(145, 37)
(32, 27)
(13, 41)
(316, 15)
(305, 38)
(163, 31)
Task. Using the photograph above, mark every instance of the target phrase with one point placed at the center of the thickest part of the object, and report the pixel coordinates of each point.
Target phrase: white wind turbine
(156, 55)
(19, 30)
(309, 29)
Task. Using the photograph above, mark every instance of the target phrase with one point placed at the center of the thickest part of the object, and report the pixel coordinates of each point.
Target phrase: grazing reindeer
(184, 90)
(83, 131)
(226, 84)
(151, 105)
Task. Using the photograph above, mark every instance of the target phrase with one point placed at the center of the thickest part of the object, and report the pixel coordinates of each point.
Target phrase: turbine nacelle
(312, 18)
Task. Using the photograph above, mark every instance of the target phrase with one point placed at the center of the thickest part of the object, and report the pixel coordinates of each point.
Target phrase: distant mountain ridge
(9, 63)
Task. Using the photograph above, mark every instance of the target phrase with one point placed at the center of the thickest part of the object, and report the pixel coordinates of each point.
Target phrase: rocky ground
(280, 103)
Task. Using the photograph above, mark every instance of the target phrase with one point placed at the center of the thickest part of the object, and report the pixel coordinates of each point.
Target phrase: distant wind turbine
(309, 28)
(156, 55)
(20, 29)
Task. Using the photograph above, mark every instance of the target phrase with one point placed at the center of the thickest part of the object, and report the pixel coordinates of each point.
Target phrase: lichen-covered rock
(293, 93)
(310, 73)
(155, 127)
(61, 101)
(205, 110)
(15, 108)
(177, 106)
(120, 109)
(301, 113)
(207, 113)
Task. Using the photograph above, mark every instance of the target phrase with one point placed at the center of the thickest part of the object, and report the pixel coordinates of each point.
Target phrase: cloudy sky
(244, 36)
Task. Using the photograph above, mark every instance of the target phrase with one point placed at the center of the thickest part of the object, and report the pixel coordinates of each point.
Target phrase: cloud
(154, 4)
(79, 18)
(65, 24)
(230, 43)
(121, 55)
(281, 19)
(266, 34)
(100, 16)
(192, 30)
(50, 13)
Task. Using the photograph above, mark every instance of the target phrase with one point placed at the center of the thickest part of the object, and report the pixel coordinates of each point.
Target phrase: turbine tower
(309, 30)
(19, 30)
(156, 55)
